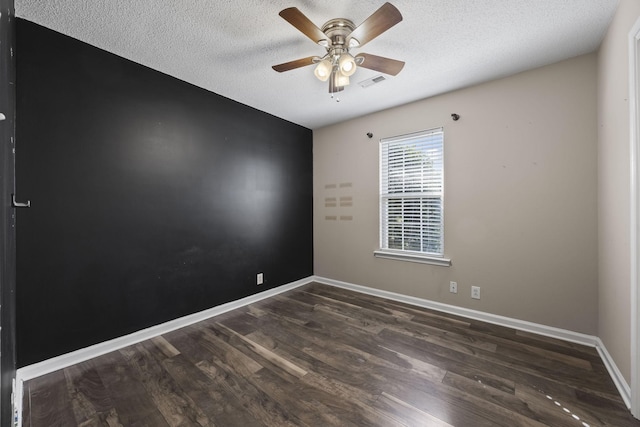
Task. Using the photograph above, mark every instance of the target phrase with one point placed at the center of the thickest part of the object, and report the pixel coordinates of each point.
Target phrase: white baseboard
(522, 325)
(78, 356)
(60, 362)
(614, 373)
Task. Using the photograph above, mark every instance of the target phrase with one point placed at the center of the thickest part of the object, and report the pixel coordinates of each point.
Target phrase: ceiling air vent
(372, 81)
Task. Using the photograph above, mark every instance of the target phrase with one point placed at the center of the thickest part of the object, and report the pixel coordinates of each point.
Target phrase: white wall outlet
(453, 287)
(475, 292)
(260, 278)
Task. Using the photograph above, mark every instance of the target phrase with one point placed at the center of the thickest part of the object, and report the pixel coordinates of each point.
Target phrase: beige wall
(520, 201)
(614, 326)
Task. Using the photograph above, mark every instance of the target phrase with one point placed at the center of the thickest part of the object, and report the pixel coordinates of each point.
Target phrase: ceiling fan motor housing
(337, 31)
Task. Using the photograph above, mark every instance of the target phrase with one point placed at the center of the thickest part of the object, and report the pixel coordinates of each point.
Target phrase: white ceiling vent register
(370, 82)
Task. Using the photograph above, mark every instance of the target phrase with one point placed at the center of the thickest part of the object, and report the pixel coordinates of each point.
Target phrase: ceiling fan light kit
(338, 36)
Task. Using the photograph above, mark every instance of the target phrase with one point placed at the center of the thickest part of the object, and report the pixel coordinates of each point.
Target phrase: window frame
(436, 258)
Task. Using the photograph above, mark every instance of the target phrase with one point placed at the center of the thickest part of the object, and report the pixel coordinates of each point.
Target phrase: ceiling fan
(338, 36)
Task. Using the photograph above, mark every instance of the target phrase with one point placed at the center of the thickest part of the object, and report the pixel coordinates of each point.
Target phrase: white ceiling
(228, 47)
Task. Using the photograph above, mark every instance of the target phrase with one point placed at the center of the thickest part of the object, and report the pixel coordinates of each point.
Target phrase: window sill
(412, 257)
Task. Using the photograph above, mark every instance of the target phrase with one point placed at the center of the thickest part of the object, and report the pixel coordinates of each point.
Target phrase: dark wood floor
(323, 356)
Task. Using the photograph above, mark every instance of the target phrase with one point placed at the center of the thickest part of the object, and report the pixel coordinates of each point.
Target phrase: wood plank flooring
(324, 356)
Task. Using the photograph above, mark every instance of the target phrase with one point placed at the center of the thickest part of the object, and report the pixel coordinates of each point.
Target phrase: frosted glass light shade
(341, 79)
(347, 65)
(323, 70)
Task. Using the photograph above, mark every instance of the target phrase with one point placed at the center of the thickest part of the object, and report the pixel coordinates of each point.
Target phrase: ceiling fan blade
(296, 18)
(292, 65)
(380, 63)
(379, 22)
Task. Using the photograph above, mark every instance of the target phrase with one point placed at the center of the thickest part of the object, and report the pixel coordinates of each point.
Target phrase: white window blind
(411, 193)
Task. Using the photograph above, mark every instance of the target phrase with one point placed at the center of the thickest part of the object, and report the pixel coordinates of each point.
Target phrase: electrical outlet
(453, 287)
(475, 292)
(260, 278)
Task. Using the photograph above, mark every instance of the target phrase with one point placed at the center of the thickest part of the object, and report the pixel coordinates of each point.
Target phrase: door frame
(7, 213)
(634, 131)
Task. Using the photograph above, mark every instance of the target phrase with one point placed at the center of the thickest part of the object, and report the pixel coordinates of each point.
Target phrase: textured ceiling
(228, 46)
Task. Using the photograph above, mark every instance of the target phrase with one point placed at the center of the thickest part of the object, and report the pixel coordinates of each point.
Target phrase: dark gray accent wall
(151, 198)
(7, 218)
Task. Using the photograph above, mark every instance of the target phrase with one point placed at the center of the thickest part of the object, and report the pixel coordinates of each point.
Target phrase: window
(411, 197)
